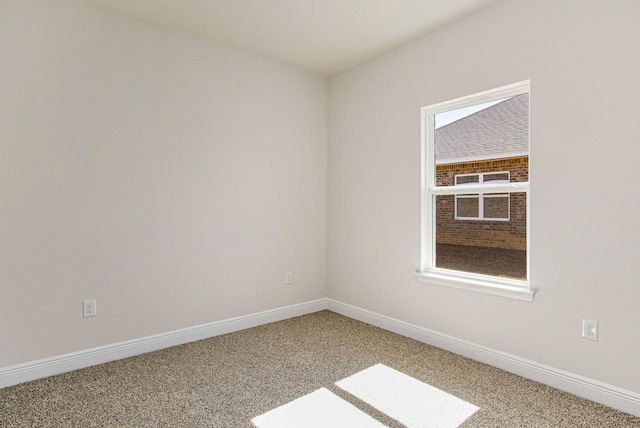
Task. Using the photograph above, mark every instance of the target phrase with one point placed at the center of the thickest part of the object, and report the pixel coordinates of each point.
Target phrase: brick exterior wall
(509, 234)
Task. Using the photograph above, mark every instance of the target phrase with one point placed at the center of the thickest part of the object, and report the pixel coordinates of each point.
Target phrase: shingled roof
(501, 130)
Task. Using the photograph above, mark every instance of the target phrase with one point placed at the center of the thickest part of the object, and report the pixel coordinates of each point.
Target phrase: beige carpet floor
(227, 380)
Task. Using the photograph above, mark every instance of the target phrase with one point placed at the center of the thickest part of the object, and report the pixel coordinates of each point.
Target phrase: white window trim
(481, 196)
(481, 199)
(516, 289)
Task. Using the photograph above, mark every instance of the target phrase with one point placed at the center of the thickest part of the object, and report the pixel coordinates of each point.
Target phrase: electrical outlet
(288, 278)
(89, 308)
(590, 329)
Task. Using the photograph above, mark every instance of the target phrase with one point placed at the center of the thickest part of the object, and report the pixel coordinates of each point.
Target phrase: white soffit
(322, 36)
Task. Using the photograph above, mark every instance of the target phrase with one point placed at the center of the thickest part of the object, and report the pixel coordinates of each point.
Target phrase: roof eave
(484, 157)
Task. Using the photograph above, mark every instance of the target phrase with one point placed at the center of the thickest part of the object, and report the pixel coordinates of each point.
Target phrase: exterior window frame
(481, 196)
(428, 272)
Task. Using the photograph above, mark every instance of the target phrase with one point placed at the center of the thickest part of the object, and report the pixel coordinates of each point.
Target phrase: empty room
(292, 213)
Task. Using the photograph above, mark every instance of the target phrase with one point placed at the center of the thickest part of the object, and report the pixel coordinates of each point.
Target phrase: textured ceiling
(323, 36)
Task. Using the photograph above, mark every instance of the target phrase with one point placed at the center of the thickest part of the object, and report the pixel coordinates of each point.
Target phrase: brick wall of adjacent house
(498, 234)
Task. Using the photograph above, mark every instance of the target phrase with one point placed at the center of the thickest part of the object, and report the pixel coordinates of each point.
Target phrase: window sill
(497, 287)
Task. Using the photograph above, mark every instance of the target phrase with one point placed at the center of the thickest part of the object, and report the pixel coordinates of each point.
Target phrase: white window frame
(506, 287)
(481, 196)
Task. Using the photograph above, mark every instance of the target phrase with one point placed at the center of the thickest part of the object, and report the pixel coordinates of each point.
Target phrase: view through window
(477, 184)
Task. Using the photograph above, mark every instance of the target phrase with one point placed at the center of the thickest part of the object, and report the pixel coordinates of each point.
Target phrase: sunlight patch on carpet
(319, 409)
(407, 400)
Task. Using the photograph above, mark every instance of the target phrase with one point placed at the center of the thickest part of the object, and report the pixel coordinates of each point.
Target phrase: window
(478, 206)
(475, 197)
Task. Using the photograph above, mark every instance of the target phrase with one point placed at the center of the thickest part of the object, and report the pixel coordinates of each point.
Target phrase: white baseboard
(612, 396)
(13, 375)
(618, 398)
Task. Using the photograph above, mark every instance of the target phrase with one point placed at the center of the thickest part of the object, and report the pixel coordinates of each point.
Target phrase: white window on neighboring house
(482, 206)
(475, 193)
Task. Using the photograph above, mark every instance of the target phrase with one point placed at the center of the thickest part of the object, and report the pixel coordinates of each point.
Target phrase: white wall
(176, 180)
(172, 179)
(583, 60)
